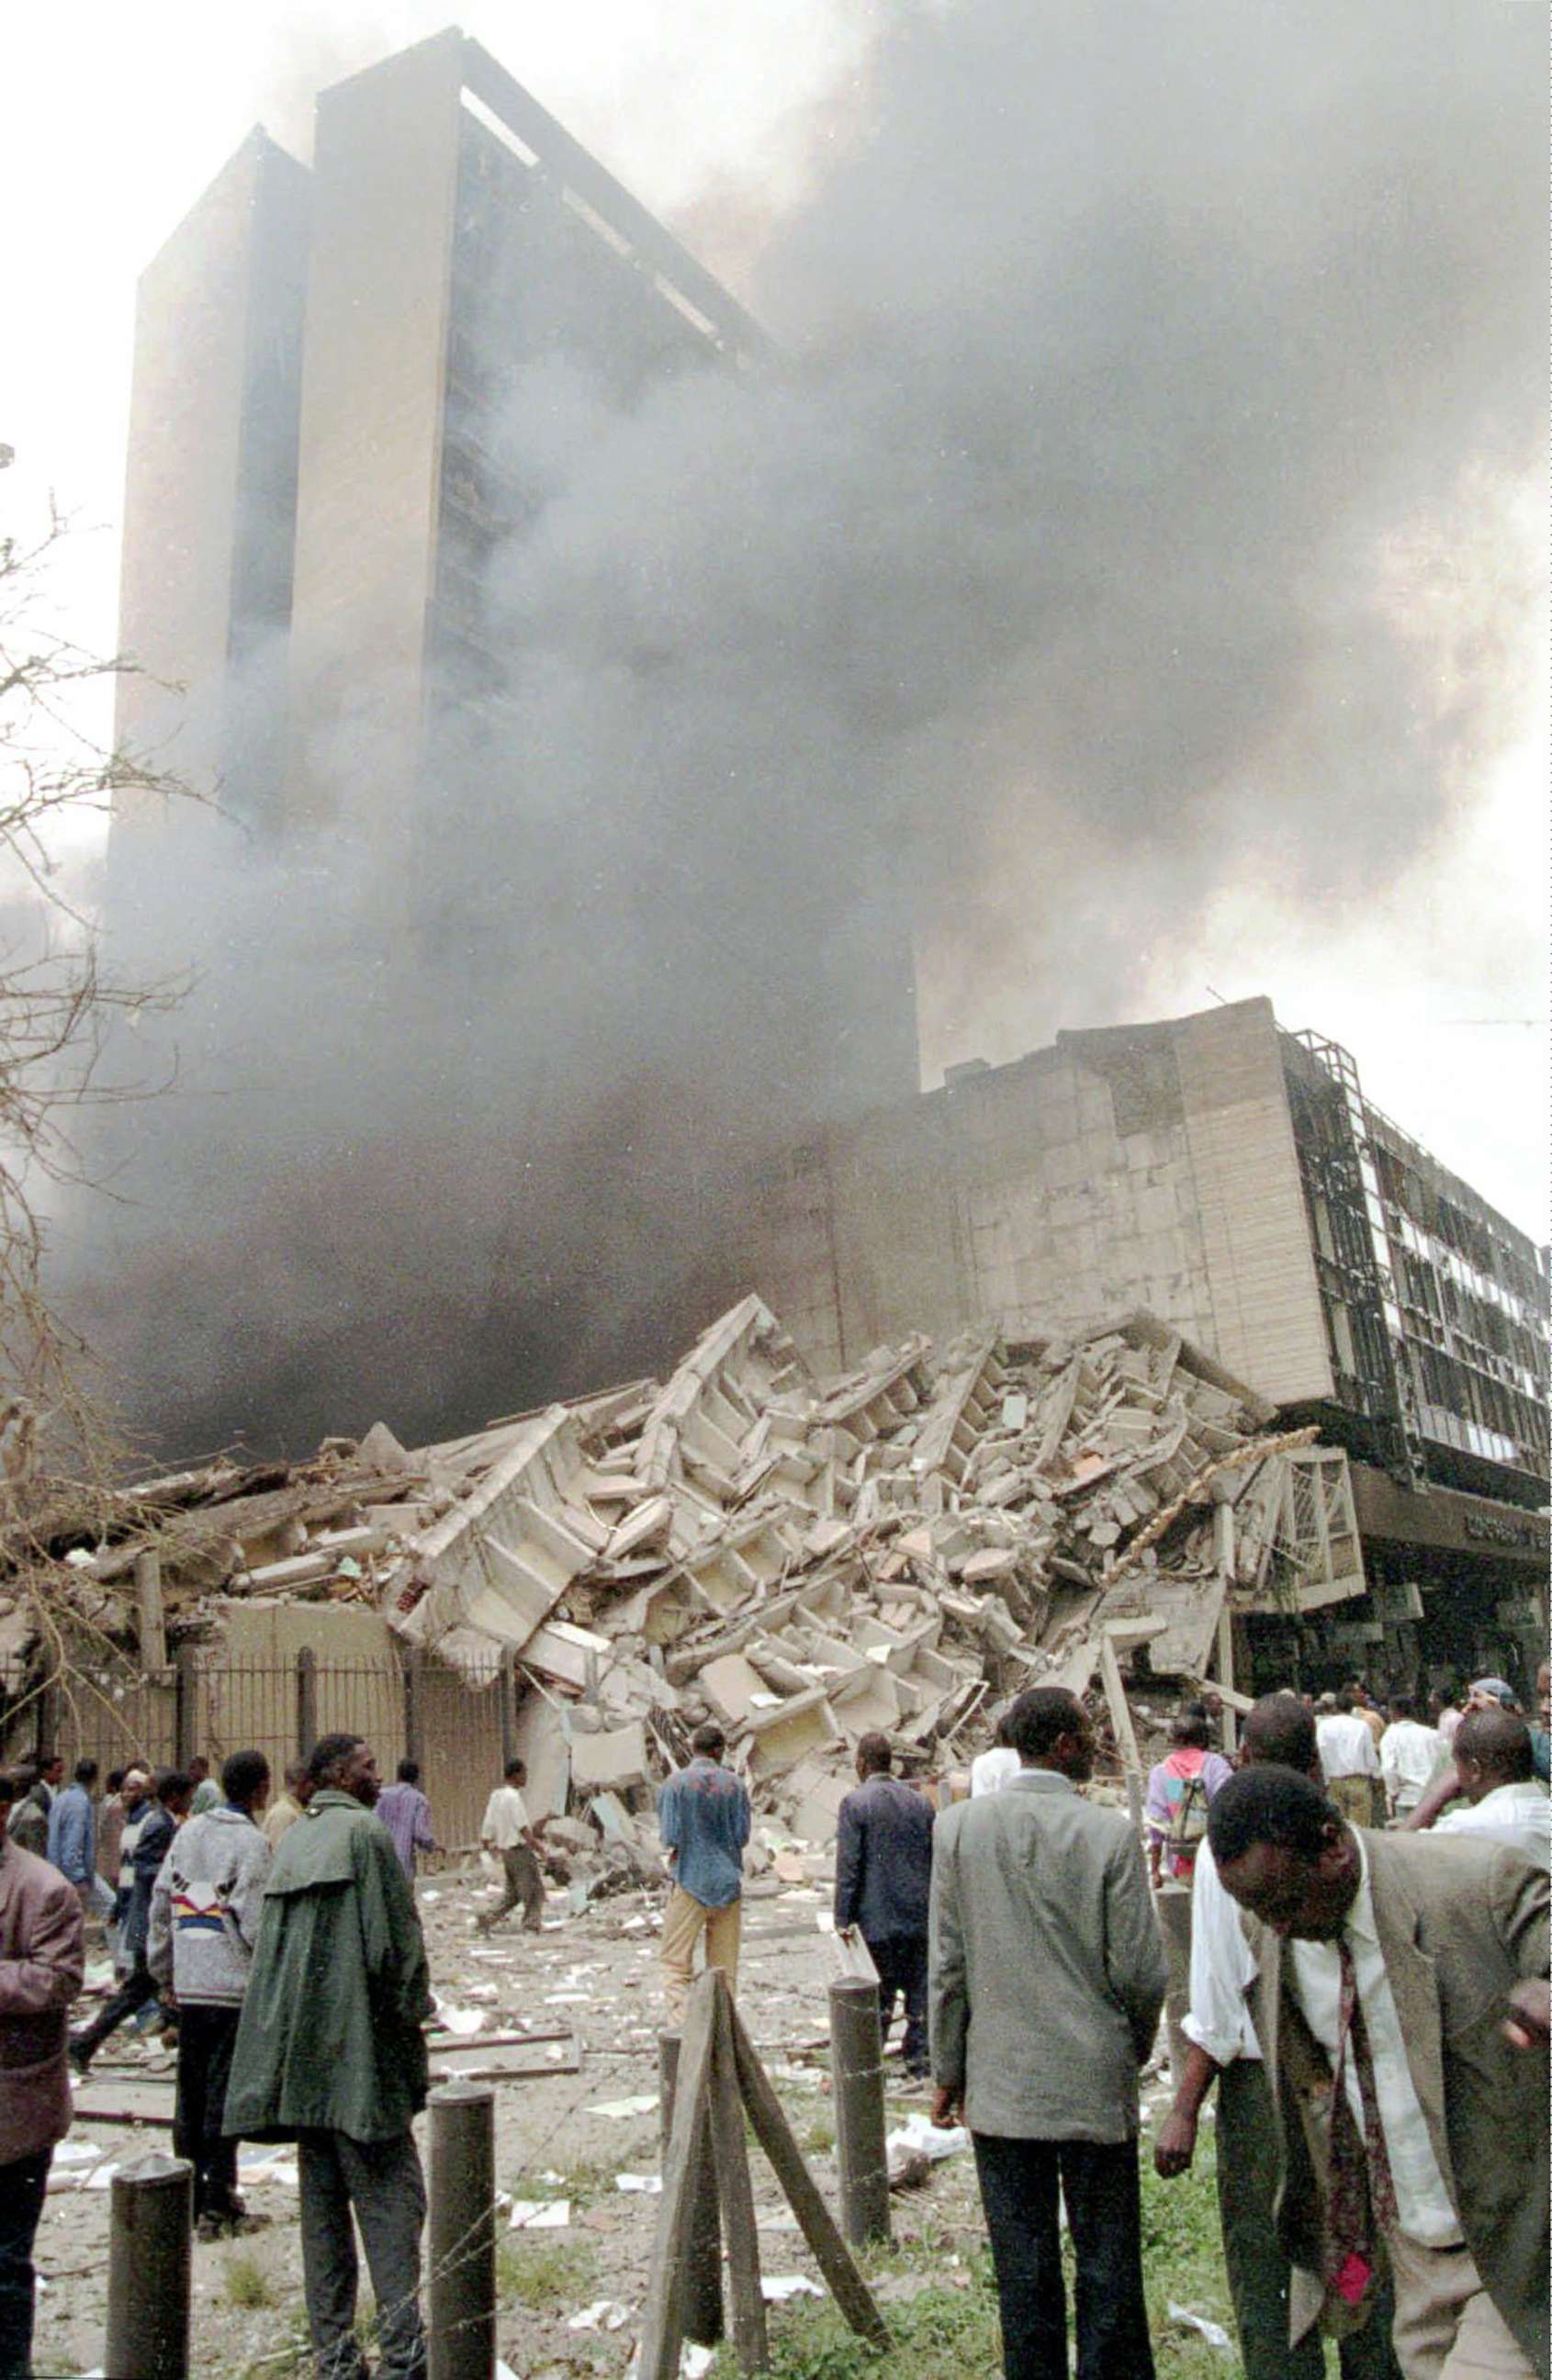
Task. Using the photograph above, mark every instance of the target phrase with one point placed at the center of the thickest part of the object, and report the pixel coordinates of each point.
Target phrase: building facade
(522, 947)
(1230, 1178)
(358, 387)
(210, 488)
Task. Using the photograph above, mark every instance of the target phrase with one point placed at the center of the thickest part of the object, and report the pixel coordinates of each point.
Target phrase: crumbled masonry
(804, 1561)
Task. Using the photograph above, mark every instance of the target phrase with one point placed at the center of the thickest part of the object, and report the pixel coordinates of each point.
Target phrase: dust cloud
(1052, 574)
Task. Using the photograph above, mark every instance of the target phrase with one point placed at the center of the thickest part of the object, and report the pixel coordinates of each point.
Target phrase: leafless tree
(59, 1005)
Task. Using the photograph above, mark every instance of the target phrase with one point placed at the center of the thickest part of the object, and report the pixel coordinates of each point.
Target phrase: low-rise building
(1231, 1178)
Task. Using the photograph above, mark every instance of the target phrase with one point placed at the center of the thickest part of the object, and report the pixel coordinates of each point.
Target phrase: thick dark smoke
(1124, 351)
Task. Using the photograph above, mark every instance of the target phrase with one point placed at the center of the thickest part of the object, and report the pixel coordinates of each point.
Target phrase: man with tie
(1401, 2005)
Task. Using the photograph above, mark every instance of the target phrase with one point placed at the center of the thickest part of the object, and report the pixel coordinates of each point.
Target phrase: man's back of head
(1191, 1729)
(1050, 1729)
(875, 1755)
(1279, 1730)
(1493, 1747)
(1402, 1706)
(708, 1742)
(245, 1779)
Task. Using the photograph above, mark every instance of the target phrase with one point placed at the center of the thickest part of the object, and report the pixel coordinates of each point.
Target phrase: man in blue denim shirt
(703, 1817)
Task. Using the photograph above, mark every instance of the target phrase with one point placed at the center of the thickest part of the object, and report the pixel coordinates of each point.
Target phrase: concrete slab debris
(901, 1549)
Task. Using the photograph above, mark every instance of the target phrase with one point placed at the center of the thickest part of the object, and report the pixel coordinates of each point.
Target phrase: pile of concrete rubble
(899, 1549)
(895, 1550)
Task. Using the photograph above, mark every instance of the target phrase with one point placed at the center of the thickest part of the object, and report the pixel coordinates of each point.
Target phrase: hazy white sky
(111, 121)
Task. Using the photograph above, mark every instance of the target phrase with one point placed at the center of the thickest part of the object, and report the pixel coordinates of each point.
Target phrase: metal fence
(417, 1707)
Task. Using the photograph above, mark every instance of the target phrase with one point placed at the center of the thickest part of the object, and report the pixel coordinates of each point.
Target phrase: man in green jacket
(330, 2054)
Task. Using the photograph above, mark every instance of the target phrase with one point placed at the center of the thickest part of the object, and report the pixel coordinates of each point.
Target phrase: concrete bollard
(857, 2067)
(150, 2258)
(703, 2296)
(461, 2293)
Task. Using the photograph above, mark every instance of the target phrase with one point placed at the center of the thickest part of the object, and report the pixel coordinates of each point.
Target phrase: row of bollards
(150, 2253)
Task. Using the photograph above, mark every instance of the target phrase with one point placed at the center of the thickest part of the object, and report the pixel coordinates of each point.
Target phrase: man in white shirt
(1349, 1759)
(1224, 2048)
(989, 1771)
(1505, 1798)
(1409, 1754)
(507, 1831)
(1402, 2007)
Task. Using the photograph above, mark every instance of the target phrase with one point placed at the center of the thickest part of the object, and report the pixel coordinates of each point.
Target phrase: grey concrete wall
(1151, 1166)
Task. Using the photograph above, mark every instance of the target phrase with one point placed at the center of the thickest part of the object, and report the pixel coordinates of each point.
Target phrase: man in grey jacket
(1046, 1981)
(204, 1918)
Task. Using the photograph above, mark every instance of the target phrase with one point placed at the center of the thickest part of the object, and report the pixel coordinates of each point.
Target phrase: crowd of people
(1365, 1989)
(1369, 2002)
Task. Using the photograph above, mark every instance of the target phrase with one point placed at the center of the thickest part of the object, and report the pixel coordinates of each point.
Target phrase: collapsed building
(898, 1550)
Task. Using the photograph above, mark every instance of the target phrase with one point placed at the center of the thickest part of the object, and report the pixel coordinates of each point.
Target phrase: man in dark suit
(1401, 2005)
(883, 1878)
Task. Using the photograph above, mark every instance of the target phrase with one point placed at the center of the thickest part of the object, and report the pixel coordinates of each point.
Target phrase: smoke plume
(1057, 570)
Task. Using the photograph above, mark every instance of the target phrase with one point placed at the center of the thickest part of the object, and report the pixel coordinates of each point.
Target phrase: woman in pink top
(1179, 1789)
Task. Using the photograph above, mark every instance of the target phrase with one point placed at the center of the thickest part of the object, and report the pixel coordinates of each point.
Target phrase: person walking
(288, 1807)
(1349, 1758)
(1503, 1798)
(42, 1960)
(204, 1919)
(406, 1814)
(145, 1844)
(1409, 1756)
(1401, 2004)
(72, 1840)
(330, 2054)
(883, 1883)
(1046, 1979)
(508, 1834)
(1224, 2049)
(703, 1819)
(123, 1809)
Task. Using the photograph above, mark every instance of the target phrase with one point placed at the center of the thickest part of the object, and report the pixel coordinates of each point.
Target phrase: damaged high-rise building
(540, 962)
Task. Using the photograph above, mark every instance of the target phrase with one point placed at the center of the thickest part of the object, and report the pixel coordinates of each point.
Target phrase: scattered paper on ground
(1213, 2331)
(933, 2141)
(460, 2022)
(604, 2313)
(541, 2214)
